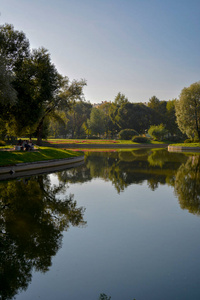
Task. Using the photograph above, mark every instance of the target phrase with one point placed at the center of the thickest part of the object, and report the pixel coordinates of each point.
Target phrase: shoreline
(39, 167)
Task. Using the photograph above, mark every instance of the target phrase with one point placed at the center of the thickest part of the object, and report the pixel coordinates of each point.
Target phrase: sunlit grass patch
(43, 153)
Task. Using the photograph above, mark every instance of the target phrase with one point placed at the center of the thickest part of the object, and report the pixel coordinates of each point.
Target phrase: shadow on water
(32, 220)
(35, 212)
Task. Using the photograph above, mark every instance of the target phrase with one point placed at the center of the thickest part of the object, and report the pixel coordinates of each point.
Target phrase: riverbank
(39, 167)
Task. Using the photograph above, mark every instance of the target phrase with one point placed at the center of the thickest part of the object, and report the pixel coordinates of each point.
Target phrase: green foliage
(127, 134)
(120, 99)
(188, 141)
(40, 89)
(96, 121)
(188, 110)
(8, 94)
(2, 143)
(154, 102)
(140, 139)
(157, 132)
(135, 116)
(77, 119)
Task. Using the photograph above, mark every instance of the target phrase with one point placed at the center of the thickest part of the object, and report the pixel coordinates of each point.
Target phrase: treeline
(108, 119)
(37, 101)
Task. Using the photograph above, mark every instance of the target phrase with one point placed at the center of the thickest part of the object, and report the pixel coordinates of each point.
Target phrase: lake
(123, 225)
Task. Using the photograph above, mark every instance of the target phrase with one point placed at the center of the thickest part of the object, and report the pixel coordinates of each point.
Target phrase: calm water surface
(125, 224)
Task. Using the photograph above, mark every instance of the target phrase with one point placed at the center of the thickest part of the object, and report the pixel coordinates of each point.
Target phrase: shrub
(188, 141)
(94, 137)
(196, 140)
(140, 139)
(157, 132)
(127, 134)
(175, 139)
(2, 143)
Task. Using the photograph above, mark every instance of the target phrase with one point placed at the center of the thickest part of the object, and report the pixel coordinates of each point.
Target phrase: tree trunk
(39, 132)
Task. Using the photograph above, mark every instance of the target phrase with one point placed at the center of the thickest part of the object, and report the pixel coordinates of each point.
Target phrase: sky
(140, 48)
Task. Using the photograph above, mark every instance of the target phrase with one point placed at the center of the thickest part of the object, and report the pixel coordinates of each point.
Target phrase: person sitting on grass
(29, 145)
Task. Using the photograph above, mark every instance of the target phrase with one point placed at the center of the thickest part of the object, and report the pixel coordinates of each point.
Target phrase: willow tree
(188, 110)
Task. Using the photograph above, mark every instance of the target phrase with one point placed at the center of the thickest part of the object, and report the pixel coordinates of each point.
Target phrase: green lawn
(92, 141)
(43, 153)
(87, 141)
(186, 144)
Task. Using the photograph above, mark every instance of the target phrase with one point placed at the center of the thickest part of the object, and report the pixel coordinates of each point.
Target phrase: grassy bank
(57, 142)
(43, 153)
(186, 144)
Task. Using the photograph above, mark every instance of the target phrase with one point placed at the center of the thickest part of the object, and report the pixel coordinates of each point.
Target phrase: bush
(157, 132)
(188, 141)
(2, 143)
(196, 140)
(175, 139)
(94, 138)
(127, 134)
(140, 139)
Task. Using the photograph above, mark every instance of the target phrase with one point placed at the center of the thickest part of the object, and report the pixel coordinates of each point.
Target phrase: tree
(109, 125)
(96, 121)
(8, 94)
(41, 90)
(154, 102)
(188, 111)
(136, 116)
(14, 46)
(120, 99)
(77, 116)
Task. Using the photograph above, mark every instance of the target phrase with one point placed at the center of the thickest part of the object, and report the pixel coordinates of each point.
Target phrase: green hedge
(127, 134)
(140, 139)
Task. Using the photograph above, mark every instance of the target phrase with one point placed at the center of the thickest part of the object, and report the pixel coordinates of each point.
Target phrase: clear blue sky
(140, 48)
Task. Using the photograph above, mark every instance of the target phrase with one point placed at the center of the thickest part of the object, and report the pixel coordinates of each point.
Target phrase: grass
(92, 141)
(186, 144)
(88, 141)
(43, 153)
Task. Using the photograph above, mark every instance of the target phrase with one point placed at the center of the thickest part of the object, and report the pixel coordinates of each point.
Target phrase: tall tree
(14, 46)
(188, 110)
(96, 121)
(77, 116)
(41, 90)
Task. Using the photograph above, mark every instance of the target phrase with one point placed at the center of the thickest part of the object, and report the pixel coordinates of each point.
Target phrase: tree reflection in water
(33, 216)
(155, 166)
(187, 185)
(32, 220)
(124, 168)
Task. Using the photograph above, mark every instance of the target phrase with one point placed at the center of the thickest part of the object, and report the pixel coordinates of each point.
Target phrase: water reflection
(31, 223)
(156, 166)
(187, 185)
(127, 167)
(35, 212)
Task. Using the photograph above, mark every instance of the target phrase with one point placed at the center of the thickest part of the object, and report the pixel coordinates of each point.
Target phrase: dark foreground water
(124, 224)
